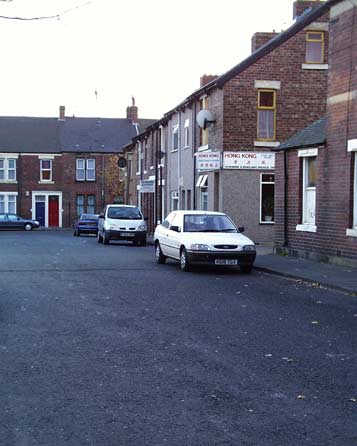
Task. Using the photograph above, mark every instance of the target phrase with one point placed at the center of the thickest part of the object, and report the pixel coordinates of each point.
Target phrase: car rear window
(124, 213)
(89, 217)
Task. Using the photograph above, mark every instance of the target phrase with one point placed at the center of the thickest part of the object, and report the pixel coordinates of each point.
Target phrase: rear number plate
(127, 234)
(225, 262)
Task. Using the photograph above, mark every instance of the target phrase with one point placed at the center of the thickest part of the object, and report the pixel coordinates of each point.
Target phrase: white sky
(155, 50)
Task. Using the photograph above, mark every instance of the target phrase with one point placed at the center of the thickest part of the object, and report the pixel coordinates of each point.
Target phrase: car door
(15, 222)
(4, 221)
(174, 237)
(162, 233)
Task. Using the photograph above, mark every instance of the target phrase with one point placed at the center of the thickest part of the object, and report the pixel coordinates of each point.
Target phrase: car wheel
(159, 256)
(99, 238)
(246, 269)
(105, 239)
(28, 227)
(184, 262)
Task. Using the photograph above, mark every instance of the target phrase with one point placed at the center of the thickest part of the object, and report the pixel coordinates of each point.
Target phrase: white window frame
(45, 180)
(174, 197)
(186, 134)
(6, 169)
(138, 158)
(175, 131)
(352, 147)
(6, 196)
(90, 169)
(307, 226)
(78, 161)
(261, 197)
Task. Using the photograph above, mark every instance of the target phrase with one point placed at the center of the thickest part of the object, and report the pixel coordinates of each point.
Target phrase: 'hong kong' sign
(208, 160)
(249, 160)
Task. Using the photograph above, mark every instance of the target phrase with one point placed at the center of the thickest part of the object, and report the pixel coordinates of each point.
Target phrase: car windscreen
(89, 217)
(124, 213)
(208, 223)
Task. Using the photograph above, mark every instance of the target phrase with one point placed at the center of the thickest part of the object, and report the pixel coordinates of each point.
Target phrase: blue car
(86, 224)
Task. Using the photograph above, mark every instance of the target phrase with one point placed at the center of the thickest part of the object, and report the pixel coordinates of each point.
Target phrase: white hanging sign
(249, 160)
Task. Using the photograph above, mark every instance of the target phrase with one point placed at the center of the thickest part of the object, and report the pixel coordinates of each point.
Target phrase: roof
(313, 135)
(51, 135)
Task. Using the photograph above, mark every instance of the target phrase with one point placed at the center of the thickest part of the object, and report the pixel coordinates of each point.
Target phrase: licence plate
(226, 262)
(127, 234)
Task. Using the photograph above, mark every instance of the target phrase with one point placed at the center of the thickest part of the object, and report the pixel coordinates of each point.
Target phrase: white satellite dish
(205, 118)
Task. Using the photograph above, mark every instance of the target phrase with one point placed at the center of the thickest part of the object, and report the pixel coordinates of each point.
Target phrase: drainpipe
(285, 243)
(194, 135)
(157, 132)
(179, 160)
(141, 173)
(103, 183)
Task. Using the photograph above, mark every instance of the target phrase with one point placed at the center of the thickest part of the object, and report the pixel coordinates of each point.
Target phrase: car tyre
(28, 227)
(246, 269)
(99, 238)
(184, 262)
(159, 256)
(105, 239)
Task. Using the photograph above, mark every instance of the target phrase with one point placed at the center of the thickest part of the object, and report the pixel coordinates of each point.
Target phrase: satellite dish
(205, 118)
(122, 162)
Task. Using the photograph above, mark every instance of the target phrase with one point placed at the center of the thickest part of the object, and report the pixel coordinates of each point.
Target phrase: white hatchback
(203, 237)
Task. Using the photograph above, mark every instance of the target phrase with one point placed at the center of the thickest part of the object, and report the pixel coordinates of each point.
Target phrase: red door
(53, 211)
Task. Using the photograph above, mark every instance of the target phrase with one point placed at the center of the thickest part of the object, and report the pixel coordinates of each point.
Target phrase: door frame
(47, 194)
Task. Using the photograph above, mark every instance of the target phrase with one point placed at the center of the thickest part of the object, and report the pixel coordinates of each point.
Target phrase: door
(40, 209)
(173, 238)
(53, 211)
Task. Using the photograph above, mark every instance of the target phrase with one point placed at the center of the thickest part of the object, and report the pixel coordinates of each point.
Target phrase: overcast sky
(154, 50)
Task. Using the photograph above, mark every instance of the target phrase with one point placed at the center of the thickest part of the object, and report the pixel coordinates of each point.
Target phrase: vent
(226, 246)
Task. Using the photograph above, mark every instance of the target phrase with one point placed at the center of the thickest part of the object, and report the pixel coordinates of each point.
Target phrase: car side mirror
(241, 229)
(101, 216)
(175, 228)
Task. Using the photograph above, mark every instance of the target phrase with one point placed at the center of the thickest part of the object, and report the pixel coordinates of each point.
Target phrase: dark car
(13, 221)
(86, 224)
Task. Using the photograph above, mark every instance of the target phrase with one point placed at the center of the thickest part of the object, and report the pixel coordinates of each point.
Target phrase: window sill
(351, 232)
(306, 228)
(8, 181)
(203, 148)
(186, 147)
(267, 222)
(174, 150)
(266, 143)
(46, 182)
(314, 66)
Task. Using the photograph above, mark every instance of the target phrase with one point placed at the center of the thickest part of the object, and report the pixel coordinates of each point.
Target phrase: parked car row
(187, 236)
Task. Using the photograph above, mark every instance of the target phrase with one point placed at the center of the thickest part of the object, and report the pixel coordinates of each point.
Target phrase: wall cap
(352, 145)
(306, 228)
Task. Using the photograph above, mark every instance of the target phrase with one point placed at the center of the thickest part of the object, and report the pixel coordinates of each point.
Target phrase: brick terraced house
(316, 171)
(52, 169)
(228, 163)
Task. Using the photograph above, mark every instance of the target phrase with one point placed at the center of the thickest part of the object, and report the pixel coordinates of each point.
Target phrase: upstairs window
(85, 169)
(186, 135)
(315, 47)
(204, 132)
(7, 169)
(175, 137)
(355, 193)
(45, 170)
(266, 115)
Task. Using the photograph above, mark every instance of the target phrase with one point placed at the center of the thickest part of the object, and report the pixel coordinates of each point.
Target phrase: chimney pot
(132, 112)
(62, 112)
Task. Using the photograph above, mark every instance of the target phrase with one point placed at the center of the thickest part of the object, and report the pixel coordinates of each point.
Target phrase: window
(183, 199)
(266, 115)
(186, 135)
(174, 201)
(175, 137)
(46, 170)
(266, 198)
(188, 205)
(7, 169)
(204, 132)
(354, 225)
(85, 204)
(309, 179)
(314, 47)
(8, 203)
(85, 169)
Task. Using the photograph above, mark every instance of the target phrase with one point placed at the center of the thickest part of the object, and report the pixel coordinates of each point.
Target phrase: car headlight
(199, 247)
(250, 248)
(142, 227)
(37, 222)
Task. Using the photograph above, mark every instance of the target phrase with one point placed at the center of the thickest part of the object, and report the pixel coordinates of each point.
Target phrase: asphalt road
(101, 346)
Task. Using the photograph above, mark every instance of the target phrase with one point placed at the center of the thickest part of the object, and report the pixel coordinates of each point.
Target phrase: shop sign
(147, 186)
(249, 160)
(208, 160)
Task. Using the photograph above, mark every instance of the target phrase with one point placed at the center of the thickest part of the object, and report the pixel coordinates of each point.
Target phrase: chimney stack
(132, 112)
(206, 79)
(260, 39)
(301, 6)
(62, 112)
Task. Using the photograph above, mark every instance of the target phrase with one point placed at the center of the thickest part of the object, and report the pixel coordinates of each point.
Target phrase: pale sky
(154, 50)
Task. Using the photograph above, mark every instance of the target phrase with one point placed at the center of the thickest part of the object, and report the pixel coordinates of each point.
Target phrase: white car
(203, 237)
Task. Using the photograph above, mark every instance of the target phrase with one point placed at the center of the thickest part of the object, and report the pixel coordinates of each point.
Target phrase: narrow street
(101, 346)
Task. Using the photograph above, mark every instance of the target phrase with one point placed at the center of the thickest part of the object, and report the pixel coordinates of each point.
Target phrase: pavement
(319, 274)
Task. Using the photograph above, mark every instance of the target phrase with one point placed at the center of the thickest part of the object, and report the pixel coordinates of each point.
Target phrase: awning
(202, 181)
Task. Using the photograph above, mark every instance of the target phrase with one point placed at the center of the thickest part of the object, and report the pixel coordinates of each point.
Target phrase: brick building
(279, 89)
(52, 169)
(316, 184)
